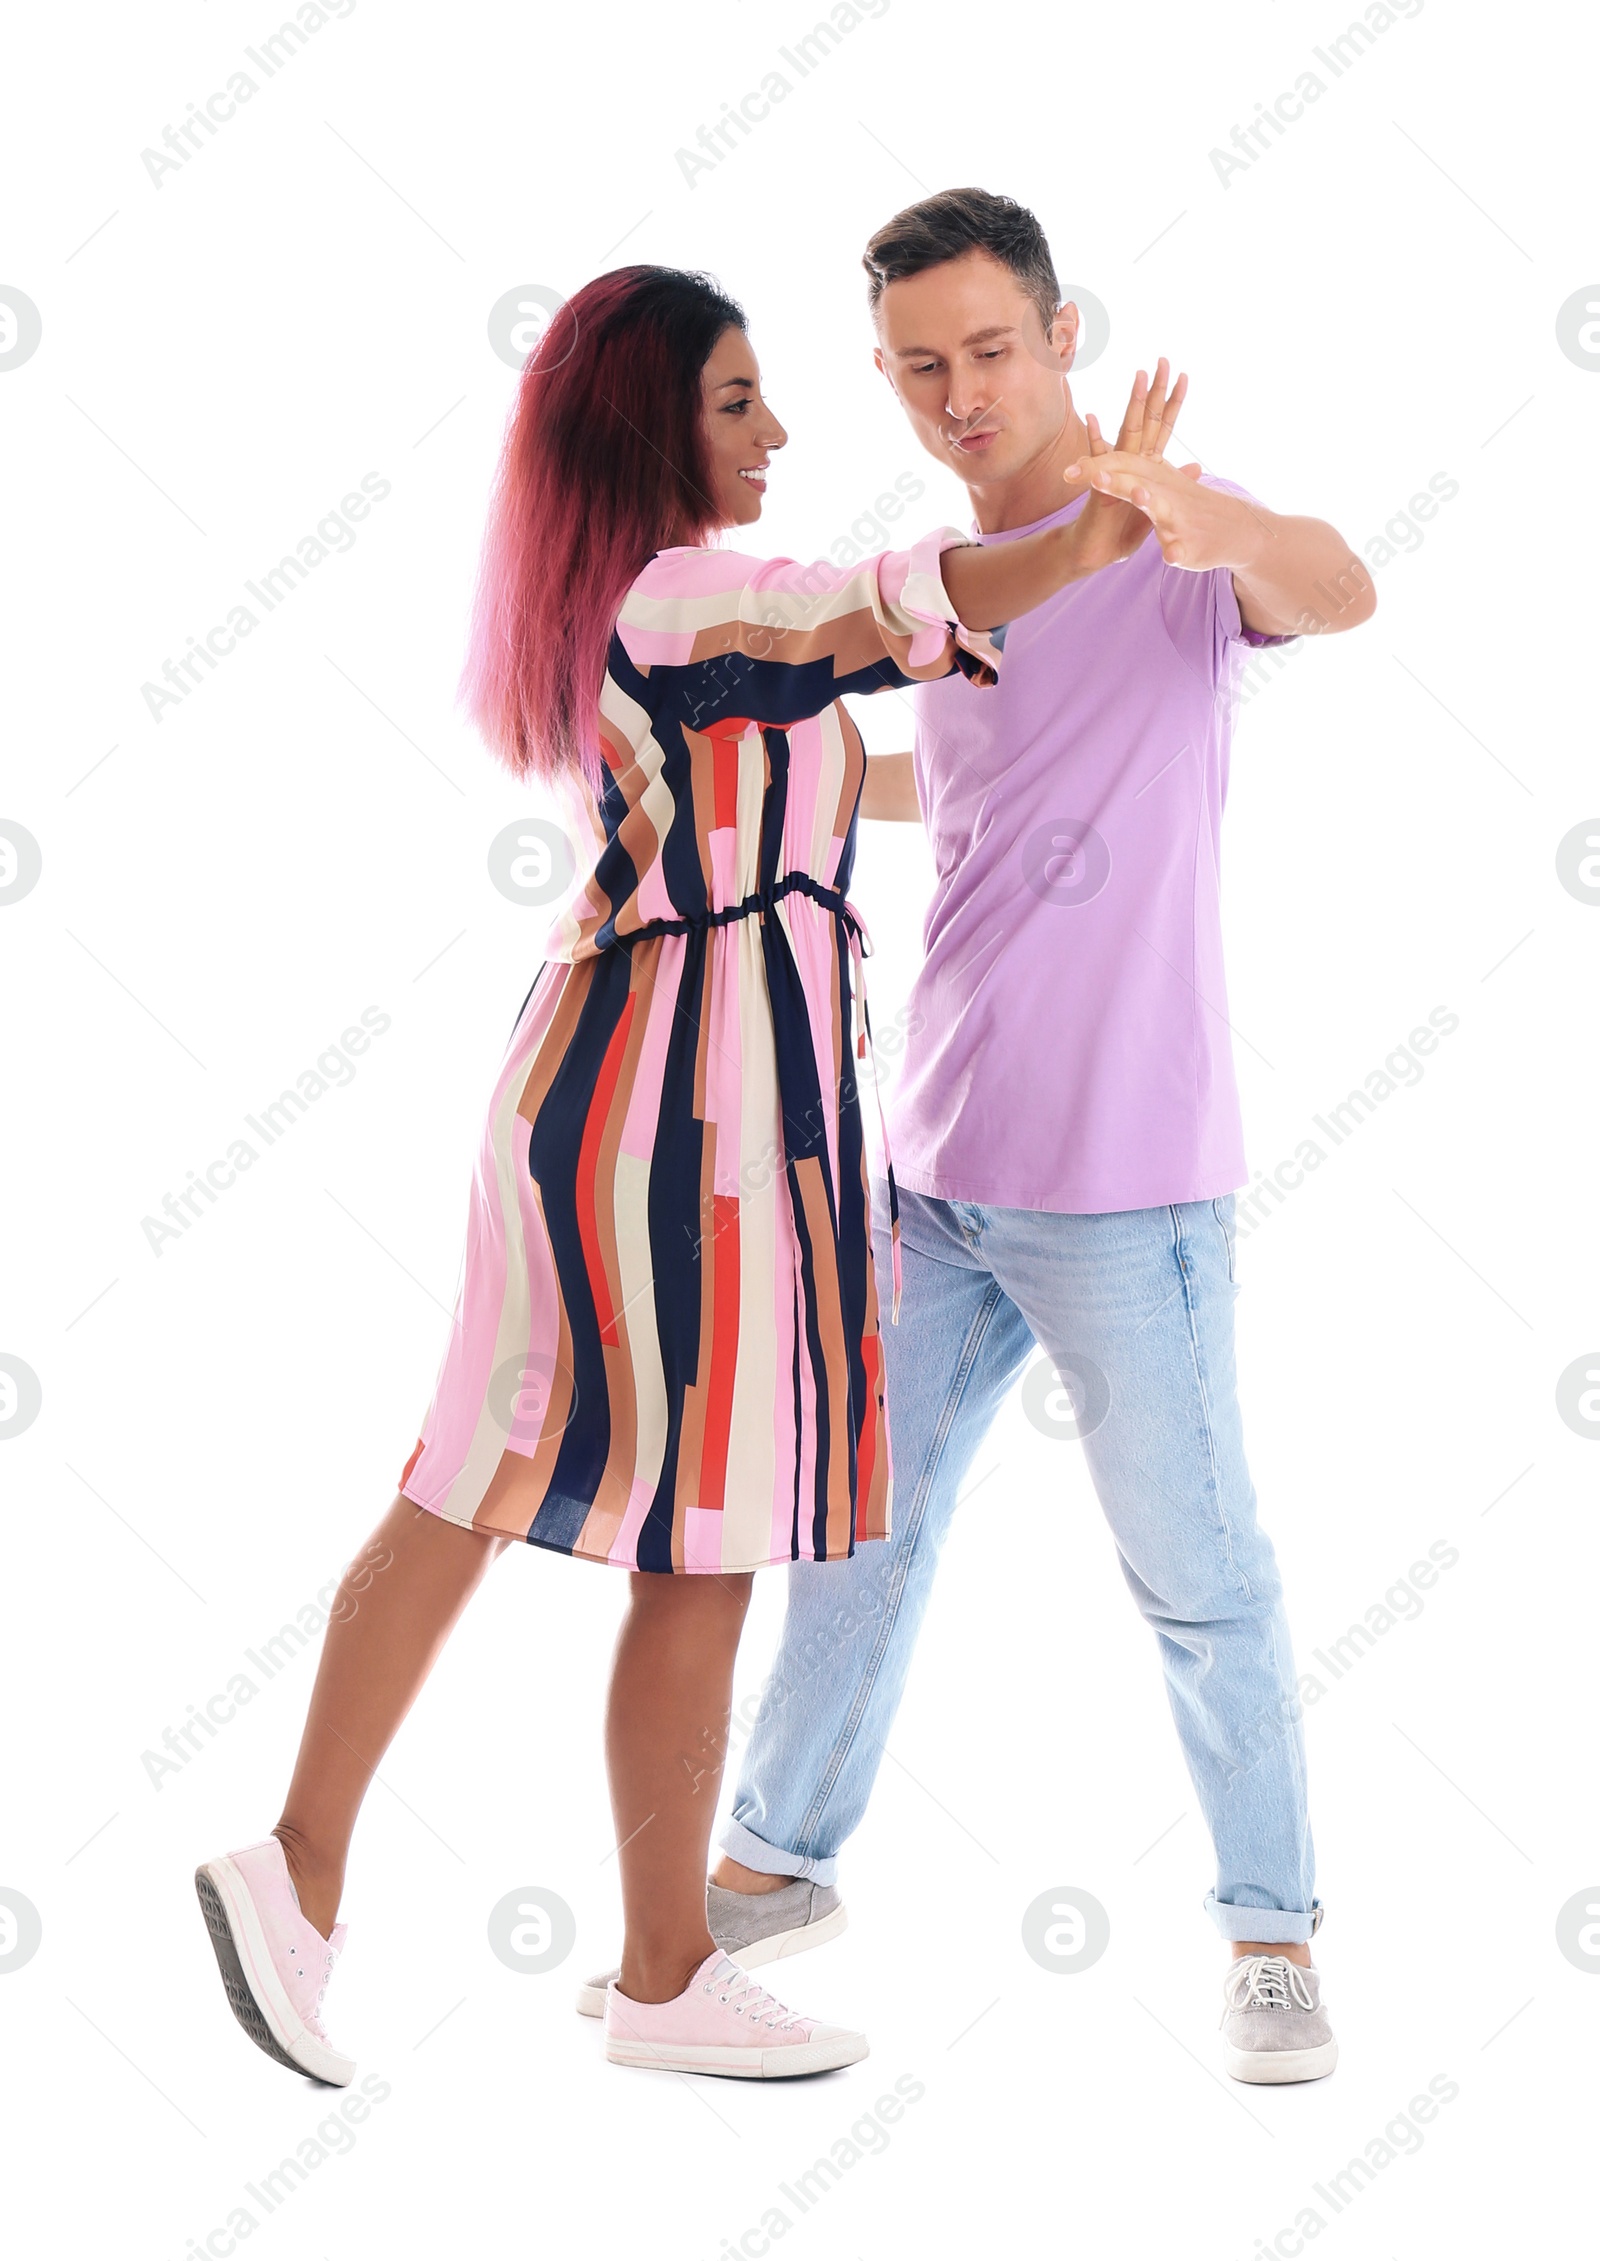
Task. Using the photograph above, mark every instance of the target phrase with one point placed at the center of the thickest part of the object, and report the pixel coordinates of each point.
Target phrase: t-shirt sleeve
(777, 641)
(1201, 610)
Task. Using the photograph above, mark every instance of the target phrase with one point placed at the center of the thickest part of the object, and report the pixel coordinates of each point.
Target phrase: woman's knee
(412, 1545)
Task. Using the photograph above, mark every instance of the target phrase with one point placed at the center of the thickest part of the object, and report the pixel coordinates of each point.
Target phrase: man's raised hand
(1113, 526)
(1197, 527)
(1151, 413)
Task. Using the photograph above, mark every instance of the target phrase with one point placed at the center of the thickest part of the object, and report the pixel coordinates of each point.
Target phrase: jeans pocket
(1223, 1210)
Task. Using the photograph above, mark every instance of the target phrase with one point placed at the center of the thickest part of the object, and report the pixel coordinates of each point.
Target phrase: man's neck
(1001, 505)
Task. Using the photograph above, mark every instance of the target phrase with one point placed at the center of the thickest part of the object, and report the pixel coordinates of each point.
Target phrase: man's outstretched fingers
(1169, 415)
(1148, 437)
(1133, 418)
(1161, 414)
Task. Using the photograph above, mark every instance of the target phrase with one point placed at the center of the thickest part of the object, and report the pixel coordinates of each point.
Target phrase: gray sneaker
(754, 1928)
(1274, 2027)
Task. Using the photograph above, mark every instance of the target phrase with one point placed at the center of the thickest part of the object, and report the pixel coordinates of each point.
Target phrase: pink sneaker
(275, 1965)
(723, 2022)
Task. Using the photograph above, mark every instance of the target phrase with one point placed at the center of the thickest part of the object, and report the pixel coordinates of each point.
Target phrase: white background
(1373, 301)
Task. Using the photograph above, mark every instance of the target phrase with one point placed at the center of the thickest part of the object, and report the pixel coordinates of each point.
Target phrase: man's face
(975, 370)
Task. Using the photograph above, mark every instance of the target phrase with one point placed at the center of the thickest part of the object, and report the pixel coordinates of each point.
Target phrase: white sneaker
(275, 1965)
(723, 2022)
(1273, 2024)
(753, 1927)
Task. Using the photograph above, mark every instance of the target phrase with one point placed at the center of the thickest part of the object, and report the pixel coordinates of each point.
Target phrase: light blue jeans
(1134, 1308)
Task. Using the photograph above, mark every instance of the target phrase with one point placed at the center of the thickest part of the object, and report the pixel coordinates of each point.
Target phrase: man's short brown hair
(956, 221)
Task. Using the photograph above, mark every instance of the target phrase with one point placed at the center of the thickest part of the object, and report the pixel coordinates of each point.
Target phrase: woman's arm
(989, 586)
(724, 634)
(890, 790)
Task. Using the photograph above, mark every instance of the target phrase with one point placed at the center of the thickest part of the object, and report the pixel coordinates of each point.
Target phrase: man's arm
(1297, 576)
(1292, 576)
(890, 791)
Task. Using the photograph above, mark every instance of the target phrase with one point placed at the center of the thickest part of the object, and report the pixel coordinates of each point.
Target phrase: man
(1074, 1195)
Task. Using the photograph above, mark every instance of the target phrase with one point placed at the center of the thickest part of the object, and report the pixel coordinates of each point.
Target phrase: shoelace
(1268, 1982)
(329, 1959)
(747, 1999)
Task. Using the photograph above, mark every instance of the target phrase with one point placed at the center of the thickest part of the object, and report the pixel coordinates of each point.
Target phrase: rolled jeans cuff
(744, 1846)
(1277, 1927)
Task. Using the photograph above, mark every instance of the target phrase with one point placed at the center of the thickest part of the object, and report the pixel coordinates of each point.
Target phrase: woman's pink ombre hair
(604, 463)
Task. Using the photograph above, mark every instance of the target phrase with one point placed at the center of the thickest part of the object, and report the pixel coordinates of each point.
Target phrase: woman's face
(741, 430)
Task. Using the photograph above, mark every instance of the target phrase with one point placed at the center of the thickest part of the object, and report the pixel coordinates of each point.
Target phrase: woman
(665, 1355)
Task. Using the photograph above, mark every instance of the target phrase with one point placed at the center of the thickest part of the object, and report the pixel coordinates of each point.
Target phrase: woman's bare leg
(396, 1605)
(666, 1737)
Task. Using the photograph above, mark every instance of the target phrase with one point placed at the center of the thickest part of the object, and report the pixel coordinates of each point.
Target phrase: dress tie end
(860, 948)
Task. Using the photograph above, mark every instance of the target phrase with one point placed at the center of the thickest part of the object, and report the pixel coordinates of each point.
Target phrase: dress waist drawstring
(831, 899)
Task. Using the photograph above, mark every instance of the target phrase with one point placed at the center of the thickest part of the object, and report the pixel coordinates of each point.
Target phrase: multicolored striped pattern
(665, 1353)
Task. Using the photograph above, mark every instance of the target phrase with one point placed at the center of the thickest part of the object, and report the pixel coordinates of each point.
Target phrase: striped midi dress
(665, 1353)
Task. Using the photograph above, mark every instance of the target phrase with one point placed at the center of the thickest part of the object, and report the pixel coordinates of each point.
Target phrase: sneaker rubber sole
(255, 1993)
(1266, 2067)
(592, 1993)
(797, 2059)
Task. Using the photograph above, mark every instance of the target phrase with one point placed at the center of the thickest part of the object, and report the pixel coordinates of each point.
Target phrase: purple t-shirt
(1069, 1044)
